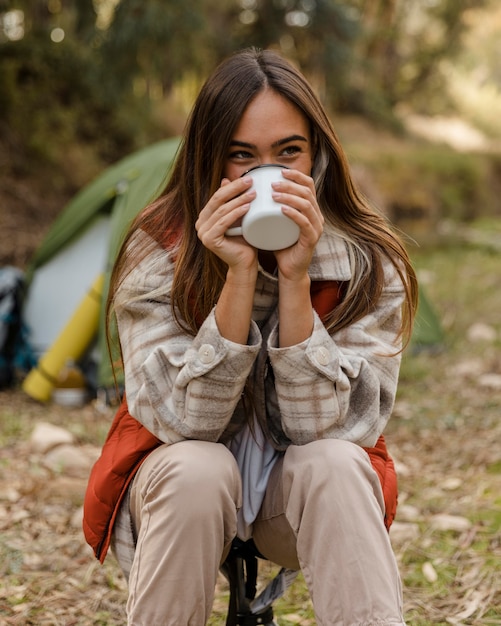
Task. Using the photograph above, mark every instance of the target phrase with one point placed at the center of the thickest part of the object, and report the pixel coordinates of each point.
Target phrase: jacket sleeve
(342, 385)
(178, 386)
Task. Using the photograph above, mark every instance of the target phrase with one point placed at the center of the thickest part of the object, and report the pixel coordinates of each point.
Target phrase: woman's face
(271, 130)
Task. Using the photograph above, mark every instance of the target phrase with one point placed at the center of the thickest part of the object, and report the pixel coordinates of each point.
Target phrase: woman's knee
(330, 478)
(333, 465)
(330, 457)
(197, 471)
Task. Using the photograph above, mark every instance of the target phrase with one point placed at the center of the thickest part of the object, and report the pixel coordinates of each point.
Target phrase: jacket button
(323, 356)
(207, 353)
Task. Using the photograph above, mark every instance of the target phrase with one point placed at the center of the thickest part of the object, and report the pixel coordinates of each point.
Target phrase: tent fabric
(119, 194)
(122, 190)
(428, 332)
(101, 213)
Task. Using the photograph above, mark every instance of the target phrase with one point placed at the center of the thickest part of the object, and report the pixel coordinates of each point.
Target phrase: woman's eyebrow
(279, 142)
(241, 144)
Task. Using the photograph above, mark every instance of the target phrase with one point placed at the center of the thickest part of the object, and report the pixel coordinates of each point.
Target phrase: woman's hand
(295, 311)
(226, 208)
(296, 193)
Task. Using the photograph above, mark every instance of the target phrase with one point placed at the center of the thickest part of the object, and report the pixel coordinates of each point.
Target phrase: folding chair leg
(239, 612)
(233, 570)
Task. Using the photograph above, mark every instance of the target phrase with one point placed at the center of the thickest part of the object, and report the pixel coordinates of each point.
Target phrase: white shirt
(255, 458)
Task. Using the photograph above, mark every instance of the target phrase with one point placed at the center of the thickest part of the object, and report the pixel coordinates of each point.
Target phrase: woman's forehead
(273, 116)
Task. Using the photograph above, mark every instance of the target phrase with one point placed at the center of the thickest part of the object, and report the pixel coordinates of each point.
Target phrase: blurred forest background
(414, 90)
(84, 83)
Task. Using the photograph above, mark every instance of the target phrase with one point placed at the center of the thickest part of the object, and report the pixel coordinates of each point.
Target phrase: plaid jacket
(340, 385)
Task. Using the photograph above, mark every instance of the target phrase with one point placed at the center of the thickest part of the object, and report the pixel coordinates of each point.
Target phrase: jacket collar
(330, 259)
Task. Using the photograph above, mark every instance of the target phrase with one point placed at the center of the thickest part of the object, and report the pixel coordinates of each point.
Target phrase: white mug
(264, 225)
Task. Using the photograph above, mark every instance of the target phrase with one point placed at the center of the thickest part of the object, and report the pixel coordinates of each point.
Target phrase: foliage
(319, 36)
(154, 40)
(126, 77)
(423, 185)
(401, 52)
(363, 55)
(49, 99)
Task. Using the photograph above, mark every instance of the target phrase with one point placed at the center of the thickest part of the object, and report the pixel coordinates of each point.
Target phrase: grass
(444, 435)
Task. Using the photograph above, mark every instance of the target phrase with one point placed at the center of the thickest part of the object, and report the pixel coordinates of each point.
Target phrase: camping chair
(240, 569)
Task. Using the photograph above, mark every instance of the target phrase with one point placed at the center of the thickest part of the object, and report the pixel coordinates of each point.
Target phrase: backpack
(14, 350)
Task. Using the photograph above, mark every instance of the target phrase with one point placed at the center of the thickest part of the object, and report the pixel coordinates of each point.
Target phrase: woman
(257, 384)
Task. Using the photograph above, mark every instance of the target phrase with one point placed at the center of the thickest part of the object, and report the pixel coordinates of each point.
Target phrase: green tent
(428, 333)
(83, 243)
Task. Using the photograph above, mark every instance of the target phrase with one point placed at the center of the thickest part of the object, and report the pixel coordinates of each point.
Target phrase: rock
(408, 513)
(18, 515)
(68, 459)
(450, 522)
(403, 410)
(481, 332)
(77, 518)
(401, 468)
(468, 368)
(451, 484)
(34, 561)
(402, 532)
(47, 436)
(429, 572)
(9, 494)
(490, 381)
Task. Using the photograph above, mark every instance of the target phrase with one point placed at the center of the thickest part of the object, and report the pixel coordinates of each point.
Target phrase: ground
(444, 435)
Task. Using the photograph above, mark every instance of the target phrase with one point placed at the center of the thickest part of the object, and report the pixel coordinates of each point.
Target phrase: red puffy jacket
(129, 443)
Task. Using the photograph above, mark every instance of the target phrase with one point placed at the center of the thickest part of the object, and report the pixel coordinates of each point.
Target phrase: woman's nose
(266, 160)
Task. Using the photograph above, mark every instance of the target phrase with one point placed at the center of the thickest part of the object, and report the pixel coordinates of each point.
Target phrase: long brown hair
(199, 274)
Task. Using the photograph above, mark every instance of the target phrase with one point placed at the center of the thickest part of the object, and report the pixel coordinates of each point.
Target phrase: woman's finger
(225, 206)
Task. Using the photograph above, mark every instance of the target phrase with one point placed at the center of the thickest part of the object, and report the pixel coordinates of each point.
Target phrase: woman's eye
(291, 150)
(240, 155)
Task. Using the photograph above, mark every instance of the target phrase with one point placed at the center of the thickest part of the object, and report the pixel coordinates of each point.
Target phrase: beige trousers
(323, 512)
